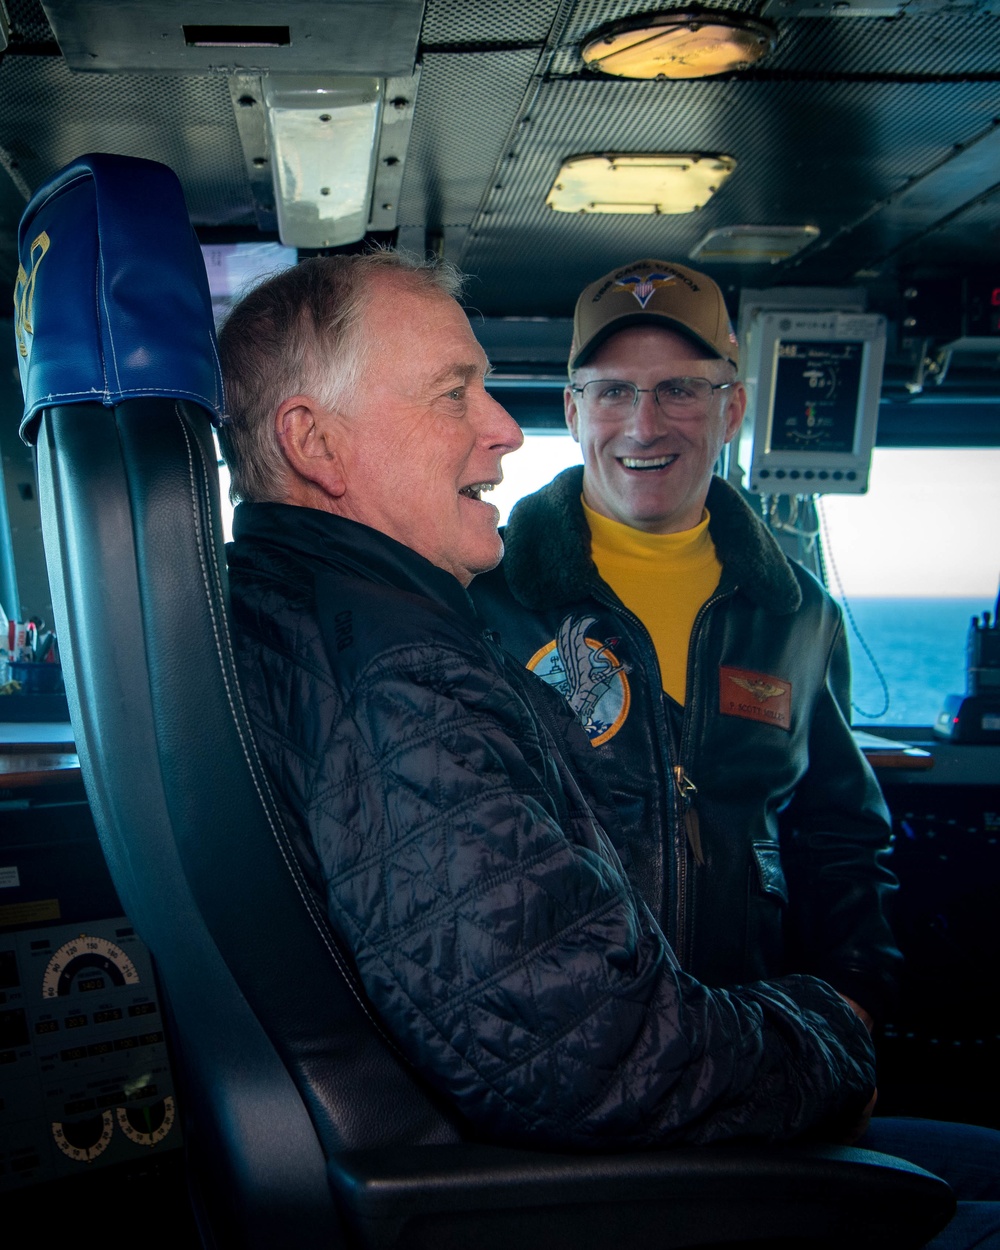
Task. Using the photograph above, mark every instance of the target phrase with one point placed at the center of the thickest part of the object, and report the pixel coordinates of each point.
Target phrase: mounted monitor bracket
(813, 363)
(324, 154)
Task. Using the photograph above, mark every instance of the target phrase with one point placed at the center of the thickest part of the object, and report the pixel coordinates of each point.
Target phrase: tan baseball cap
(657, 292)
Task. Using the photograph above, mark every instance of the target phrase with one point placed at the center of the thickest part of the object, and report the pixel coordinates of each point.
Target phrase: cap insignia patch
(643, 287)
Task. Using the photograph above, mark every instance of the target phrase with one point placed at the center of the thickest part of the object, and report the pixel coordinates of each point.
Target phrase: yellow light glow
(680, 45)
(654, 183)
(747, 245)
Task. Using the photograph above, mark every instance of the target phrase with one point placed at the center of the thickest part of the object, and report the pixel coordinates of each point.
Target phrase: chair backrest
(282, 1062)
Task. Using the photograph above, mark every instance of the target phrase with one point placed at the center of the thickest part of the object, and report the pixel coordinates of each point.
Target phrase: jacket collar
(349, 548)
(547, 543)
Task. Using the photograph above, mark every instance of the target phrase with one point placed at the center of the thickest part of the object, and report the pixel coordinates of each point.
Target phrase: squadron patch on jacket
(755, 696)
(588, 674)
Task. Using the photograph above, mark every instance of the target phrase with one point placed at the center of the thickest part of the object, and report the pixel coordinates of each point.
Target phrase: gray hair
(299, 333)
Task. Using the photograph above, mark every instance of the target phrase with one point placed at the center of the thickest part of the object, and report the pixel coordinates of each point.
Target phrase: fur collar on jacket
(547, 561)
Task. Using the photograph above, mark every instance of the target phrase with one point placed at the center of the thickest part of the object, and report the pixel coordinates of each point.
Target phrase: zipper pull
(686, 792)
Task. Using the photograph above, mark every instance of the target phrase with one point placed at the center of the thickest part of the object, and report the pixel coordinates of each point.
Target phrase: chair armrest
(492, 1196)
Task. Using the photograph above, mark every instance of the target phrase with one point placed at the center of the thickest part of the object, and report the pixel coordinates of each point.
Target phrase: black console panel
(940, 1052)
(85, 1078)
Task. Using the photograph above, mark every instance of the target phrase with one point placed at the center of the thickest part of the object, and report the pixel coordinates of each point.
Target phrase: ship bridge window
(914, 560)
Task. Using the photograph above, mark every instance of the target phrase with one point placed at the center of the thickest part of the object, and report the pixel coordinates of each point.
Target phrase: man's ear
(736, 406)
(572, 415)
(306, 435)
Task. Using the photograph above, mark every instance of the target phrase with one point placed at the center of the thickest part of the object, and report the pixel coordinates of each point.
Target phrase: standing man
(710, 673)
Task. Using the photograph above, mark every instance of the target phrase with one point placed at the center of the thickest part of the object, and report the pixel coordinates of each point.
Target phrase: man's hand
(860, 1012)
(858, 1131)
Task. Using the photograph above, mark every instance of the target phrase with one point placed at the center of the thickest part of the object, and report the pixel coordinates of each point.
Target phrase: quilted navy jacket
(467, 869)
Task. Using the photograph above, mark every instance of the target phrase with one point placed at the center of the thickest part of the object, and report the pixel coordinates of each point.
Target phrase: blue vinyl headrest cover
(112, 299)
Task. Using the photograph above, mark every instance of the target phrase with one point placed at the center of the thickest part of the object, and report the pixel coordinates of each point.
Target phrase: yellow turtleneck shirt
(663, 579)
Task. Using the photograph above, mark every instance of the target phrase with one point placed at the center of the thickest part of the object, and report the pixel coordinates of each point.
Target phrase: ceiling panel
(28, 22)
(875, 137)
(50, 115)
(830, 131)
(472, 22)
(938, 44)
(466, 106)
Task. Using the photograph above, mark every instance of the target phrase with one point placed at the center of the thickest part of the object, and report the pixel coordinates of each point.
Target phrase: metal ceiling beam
(376, 37)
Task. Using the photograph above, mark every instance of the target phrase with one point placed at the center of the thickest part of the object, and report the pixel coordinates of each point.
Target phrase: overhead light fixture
(683, 43)
(752, 245)
(323, 134)
(650, 183)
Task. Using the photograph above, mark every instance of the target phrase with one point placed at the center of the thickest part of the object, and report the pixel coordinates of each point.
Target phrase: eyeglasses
(681, 397)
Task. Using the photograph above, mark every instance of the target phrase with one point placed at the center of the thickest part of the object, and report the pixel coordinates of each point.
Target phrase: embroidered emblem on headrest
(643, 287)
(24, 292)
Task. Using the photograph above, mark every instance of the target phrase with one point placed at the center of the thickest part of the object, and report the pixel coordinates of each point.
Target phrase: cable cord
(826, 557)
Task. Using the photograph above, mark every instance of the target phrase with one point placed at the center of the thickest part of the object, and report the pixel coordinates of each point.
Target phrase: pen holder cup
(36, 678)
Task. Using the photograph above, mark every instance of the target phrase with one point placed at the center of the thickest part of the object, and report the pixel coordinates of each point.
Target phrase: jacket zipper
(687, 790)
(666, 746)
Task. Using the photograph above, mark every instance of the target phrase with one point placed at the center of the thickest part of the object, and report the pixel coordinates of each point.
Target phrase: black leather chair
(305, 1127)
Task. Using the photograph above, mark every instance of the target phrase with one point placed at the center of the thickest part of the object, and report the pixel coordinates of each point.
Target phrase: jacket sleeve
(506, 952)
(836, 853)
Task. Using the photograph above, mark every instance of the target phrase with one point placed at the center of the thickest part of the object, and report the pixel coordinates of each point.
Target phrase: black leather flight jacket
(753, 826)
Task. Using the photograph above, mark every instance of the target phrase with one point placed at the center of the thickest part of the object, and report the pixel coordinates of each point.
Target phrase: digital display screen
(13, 1028)
(983, 310)
(8, 971)
(816, 393)
(233, 268)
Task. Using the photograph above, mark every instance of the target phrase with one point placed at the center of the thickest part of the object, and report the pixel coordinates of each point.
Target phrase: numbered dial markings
(83, 963)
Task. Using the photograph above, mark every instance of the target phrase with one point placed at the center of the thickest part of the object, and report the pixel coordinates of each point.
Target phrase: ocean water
(919, 644)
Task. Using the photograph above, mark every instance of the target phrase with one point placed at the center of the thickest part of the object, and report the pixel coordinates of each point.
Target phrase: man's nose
(502, 431)
(646, 419)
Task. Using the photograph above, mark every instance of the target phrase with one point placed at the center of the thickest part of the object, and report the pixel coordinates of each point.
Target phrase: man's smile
(646, 462)
(475, 489)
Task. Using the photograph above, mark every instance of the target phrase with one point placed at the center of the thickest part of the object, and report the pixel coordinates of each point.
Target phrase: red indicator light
(995, 297)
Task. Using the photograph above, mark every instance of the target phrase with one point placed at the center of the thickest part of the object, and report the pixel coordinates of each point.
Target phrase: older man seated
(465, 853)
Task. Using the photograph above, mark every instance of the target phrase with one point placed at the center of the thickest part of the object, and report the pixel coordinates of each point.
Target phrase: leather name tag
(755, 696)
